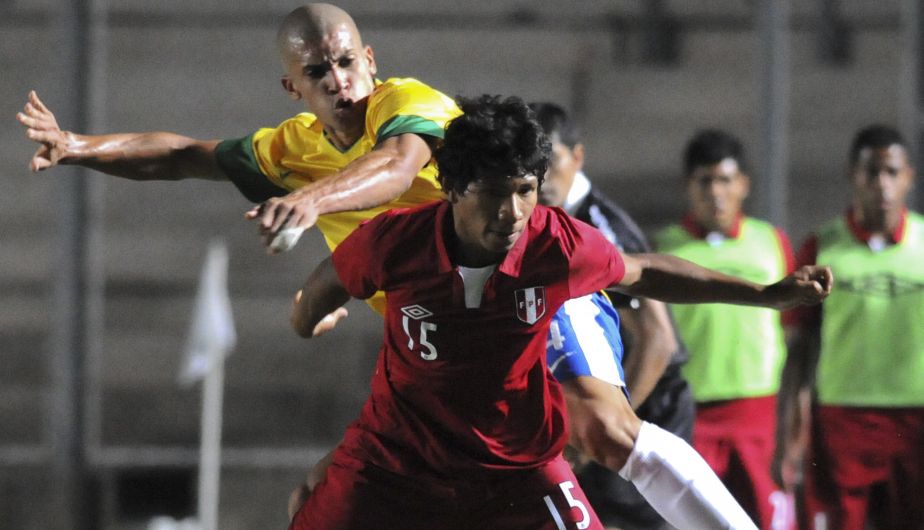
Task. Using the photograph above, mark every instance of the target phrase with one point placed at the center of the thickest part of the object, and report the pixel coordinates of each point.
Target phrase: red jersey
(458, 389)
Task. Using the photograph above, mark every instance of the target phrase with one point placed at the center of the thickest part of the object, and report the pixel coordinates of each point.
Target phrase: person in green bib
(861, 354)
(736, 353)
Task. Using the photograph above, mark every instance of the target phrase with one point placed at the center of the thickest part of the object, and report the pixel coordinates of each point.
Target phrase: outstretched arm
(371, 180)
(316, 308)
(136, 156)
(675, 280)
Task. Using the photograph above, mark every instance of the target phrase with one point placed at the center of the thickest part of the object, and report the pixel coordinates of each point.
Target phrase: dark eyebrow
(327, 65)
(316, 70)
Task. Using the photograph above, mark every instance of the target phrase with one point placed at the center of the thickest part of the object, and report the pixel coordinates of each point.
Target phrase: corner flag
(212, 334)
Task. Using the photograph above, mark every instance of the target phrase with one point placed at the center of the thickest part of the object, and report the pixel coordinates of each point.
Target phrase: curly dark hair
(494, 138)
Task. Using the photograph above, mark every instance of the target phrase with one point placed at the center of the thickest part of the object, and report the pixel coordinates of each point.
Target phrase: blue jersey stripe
(584, 340)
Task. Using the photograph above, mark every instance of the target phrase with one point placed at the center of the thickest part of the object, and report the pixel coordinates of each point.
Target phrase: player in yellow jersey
(364, 148)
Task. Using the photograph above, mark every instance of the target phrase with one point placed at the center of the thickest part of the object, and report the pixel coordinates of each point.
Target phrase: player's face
(563, 166)
(334, 77)
(882, 179)
(490, 217)
(716, 193)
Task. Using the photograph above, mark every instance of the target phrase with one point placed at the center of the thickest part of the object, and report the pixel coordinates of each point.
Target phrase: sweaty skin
(326, 66)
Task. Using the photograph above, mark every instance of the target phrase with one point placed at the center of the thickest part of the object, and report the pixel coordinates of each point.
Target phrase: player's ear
(578, 153)
(746, 185)
(452, 196)
(370, 58)
(289, 87)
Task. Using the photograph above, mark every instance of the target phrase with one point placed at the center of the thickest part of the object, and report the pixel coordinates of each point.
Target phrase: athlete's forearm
(321, 295)
(675, 280)
(371, 180)
(143, 156)
(652, 344)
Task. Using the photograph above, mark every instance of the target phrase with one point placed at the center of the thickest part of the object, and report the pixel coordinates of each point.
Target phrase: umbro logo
(416, 311)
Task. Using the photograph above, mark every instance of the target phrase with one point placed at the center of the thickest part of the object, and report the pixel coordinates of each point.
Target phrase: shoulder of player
(915, 217)
(303, 127)
(549, 224)
(754, 223)
(831, 230)
(303, 120)
(398, 84)
(669, 232)
(604, 210)
(406, 88)
(605, 202)
(547, 218)
(398, 222)
(757, 223)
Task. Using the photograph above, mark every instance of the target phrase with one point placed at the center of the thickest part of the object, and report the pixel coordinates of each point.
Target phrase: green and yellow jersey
(274, 161)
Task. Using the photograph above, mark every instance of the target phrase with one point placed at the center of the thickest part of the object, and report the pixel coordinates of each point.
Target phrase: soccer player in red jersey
(465, 424)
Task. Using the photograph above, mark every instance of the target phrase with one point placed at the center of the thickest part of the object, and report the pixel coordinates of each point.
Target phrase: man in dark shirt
(651, 364)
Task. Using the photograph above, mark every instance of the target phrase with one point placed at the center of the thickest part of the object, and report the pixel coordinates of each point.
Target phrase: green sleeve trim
(238, 161)
(409, 124)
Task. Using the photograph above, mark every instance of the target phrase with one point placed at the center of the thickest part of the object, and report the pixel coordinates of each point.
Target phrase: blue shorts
(584, 340)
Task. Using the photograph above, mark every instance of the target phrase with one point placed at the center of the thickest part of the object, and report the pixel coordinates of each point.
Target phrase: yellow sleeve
(401, 106)
(257, 163)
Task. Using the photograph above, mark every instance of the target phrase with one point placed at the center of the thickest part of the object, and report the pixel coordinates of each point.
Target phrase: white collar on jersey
(474, 278)
(579, 189)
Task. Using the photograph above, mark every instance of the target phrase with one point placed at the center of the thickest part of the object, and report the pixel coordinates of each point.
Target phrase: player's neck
(724, 225)
(883, 222)
(343, 139)
(474, 256)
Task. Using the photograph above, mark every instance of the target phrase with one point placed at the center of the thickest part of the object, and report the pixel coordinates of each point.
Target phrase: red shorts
(859, 454)
(736, 438)
(357, 495)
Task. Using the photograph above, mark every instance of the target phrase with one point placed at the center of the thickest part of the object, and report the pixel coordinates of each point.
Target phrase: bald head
(310, 23)
(327, 66)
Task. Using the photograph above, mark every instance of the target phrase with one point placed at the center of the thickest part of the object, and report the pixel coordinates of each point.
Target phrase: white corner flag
(211, 335)
(211, 339)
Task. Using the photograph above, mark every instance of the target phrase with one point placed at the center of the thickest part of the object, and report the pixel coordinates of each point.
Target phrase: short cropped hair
(556, 121)
(875, 137)
(709, 147)
(494, 138)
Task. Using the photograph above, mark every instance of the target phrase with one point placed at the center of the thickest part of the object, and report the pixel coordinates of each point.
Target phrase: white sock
(680, 485)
